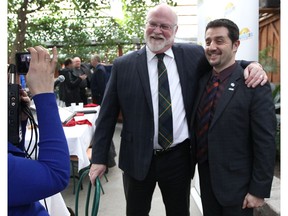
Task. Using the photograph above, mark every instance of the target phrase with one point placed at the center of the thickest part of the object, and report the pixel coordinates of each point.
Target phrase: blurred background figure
(98, 79)
(69, 90)
(80, 69)
(98, 83)
(68, 68)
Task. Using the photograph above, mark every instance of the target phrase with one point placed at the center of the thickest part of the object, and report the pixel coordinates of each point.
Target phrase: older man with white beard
(133, 89)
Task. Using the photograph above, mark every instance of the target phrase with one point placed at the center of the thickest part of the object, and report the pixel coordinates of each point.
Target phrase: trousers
(171, 171)
(210, 204)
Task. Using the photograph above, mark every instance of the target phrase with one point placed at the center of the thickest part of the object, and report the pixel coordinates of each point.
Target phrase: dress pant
(211, 207)
(171, 170)
(83, 96)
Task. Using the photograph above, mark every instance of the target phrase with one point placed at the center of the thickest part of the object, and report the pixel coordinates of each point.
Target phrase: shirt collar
(224, 74)
(151, 55)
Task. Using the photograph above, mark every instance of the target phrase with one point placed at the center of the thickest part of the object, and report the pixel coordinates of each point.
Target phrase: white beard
(155, 45)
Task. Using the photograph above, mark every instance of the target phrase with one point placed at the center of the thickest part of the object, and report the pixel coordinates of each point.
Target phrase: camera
(14, 122)
(22, 60)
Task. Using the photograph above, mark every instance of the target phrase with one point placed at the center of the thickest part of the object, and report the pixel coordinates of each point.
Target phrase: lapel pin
(232, 85)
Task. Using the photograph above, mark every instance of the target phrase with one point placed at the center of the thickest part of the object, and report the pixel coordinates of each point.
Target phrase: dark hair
(233, 30)
(68, 62)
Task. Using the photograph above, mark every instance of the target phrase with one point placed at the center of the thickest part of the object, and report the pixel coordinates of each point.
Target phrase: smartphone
(22, 62)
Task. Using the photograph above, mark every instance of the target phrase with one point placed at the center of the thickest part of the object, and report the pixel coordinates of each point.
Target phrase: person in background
(68, 67)
(97, 86)
(235, 138)
(133, 89)
(32, 180)
(69, 90)
(79, 70)
(98, 79)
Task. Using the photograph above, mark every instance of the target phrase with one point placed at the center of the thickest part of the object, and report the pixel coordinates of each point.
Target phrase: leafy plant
(276, 97)
(81, 27)
(268, 62)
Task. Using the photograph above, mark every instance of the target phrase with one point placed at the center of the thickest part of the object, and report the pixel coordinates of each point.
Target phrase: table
(56, 205)
(78, 137)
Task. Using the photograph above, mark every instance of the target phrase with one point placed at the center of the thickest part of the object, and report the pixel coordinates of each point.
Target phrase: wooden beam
(268, 20)
(269, 10)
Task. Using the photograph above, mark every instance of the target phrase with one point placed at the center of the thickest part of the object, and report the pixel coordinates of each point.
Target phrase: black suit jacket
(241, 140)
(98, 83)
(69, 89)
(128, 90)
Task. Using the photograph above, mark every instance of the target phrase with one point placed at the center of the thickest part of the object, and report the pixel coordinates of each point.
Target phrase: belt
(158, 152)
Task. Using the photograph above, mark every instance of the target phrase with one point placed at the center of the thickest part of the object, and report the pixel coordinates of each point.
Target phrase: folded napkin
(91, 105)
(73, 122)
(79, 114)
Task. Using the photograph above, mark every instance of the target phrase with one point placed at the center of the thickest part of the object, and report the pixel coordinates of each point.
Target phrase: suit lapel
(179, 59)
(142, 70)
(227, 94)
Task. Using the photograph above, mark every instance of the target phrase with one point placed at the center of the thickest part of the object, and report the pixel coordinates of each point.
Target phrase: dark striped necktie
(165, 135)
(205, 114)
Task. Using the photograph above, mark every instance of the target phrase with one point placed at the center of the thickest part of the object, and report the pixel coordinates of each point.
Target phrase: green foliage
(269, 63)
(76, 27)
(276, 97)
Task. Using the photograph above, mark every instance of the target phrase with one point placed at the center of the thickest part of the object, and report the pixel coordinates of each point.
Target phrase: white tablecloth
(56, 205)
(78, 137)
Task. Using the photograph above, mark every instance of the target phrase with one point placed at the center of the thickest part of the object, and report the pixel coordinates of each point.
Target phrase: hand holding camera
(25, 100)
(39, 69)
(40, 77)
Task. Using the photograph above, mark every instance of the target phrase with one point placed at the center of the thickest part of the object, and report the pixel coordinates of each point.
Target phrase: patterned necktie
(165, 135)
(204, 116)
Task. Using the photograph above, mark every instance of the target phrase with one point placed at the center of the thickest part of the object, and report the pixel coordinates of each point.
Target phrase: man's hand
(96, 170)
(83, 76)
(254, 74)
(251, 201)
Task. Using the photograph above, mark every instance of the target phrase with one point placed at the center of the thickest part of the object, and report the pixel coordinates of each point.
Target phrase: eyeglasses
(164, 27)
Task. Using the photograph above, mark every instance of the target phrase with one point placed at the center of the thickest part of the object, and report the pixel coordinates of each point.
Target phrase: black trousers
(211, 206)
(83, 96)
(171, 170)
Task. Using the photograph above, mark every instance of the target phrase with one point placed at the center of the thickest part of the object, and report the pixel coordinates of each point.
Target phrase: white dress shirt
(180, 126)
